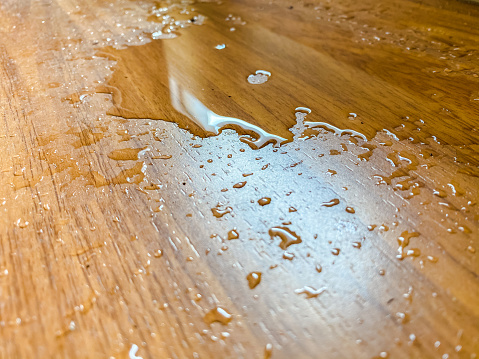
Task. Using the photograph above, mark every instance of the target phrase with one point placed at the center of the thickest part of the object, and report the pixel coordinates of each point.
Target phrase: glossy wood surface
(161, 198)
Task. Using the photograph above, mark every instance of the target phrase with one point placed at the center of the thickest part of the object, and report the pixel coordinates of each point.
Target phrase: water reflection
(187, 104)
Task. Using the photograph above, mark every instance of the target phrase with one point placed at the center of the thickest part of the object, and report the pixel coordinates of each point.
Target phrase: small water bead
(220, 47)
(219, 212)
(331, 203)
(264, 201)
(310, 292)
(254, 278)
(239, 184)
(219, 315)
(403, 241)
(288, 255)
(287, 236)
(350, 210)
(319, 268)
(233, 234)
(133, 351)
(268, 351)
(335, 251)
(292, 209)
(259, 78)
(352, 116)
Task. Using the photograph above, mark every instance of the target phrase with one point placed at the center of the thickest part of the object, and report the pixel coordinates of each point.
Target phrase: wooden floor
(239, 179)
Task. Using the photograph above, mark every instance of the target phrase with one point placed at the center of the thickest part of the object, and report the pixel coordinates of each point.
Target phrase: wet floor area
(239, 179)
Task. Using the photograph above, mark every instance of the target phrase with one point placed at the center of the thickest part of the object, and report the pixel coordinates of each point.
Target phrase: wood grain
(134, 224)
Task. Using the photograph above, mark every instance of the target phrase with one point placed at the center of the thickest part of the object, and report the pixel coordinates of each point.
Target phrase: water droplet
(403, 241)
(219, 211)
(264, 201)
(331, 203)
(288, 255)
(233, 234)
(335, 251)
(350, 210)
(239, 184)
(357, 245)
(259, 78)
(287, 236)
(220, 46)
(219, 315)
(268, 351)
(133, 351)
(310, 291)
(254, 278)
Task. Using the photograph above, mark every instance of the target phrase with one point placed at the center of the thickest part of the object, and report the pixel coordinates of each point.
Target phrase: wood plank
(141, 188)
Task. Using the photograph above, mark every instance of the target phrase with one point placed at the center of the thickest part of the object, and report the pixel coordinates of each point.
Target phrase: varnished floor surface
(239, 179)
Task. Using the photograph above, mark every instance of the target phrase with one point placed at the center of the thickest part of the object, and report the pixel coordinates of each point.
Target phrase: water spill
(219, 315)
(86, 137)
(367, 155)
(332, 203)
(185, 103)
(259, 78)
(126, 154)
(287, 236)
(264, 201)
(253, 278)
(310, 292)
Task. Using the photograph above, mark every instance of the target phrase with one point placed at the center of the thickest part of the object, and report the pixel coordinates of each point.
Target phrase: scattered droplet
(268, 351)
(403, 241)
(259, 78)
(254, 278)
(219, 211)
(288, 237)
(239, 184)
(350, 210)
(233, 234)
(219, 315)
(133, 351)
(264, 201)
(310, 291)
(331, 203)
(357, 245)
